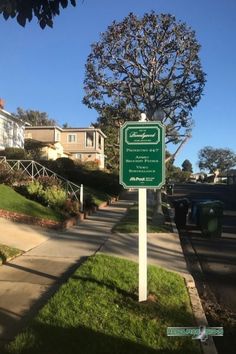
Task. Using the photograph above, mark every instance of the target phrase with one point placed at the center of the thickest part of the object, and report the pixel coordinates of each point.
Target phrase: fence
(35, 169)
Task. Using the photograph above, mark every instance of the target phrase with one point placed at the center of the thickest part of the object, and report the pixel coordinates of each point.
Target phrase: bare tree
(151, 65)
(34, 118)
(216, 160)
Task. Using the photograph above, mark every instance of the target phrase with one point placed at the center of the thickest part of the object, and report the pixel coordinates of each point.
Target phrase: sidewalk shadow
(12, 323)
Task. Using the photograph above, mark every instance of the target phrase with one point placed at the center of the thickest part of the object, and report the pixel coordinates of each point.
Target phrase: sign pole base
(142, 201)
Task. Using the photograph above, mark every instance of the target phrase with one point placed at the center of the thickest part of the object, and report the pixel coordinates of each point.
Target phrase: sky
(44, 69)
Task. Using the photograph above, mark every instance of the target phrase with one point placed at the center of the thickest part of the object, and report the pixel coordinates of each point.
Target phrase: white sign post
(142, 166)
(142, 243)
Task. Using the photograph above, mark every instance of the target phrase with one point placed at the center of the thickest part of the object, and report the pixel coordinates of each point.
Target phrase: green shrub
(34, 188)
(50, 164)
(12, 153)
(52, 196)
(97, 179)
(11, 177)
(91, 165)
(33, 149)
(71, 207)
(89, 201)
(107, 182)
(5, 174)
(34, 191)
(64, 163)
(79, 174)
(55, 197)
(49, 181)
(63, 166)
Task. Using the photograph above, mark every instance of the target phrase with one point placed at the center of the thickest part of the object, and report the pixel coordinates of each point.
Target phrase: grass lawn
(129, 223)
(8, 253)
(97, 312)
(13, 201)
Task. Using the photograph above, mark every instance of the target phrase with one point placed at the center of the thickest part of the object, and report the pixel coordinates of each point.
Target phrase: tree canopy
(187, 166)
(111, 127)
(212, 159)
(149, 64)
(174, 173)
(34, 117)
(25, 10)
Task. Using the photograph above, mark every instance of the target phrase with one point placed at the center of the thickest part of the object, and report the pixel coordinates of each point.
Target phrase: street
(215, 257)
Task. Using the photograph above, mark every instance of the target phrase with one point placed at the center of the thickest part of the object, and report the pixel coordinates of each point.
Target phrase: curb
(74, 220)
(45, 223)
(207, 347)
(28, 219)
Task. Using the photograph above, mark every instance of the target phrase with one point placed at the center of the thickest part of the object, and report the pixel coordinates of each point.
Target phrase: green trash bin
(210, 218)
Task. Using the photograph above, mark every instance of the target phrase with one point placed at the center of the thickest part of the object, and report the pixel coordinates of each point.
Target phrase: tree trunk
(158, 216)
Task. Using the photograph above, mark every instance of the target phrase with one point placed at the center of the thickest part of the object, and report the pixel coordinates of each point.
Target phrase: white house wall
(11, 132)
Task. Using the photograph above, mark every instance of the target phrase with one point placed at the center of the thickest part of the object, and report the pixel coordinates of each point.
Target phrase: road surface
(216, 257)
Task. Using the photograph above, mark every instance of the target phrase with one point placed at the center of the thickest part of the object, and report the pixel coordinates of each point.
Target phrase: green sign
(142, 155)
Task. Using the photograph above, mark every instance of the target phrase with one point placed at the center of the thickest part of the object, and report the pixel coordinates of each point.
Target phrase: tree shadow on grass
(47, 339)
(42, 338)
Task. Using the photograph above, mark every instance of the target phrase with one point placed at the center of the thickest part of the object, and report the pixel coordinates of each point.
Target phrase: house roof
(38, 127)
(10, 116)
(84, 130)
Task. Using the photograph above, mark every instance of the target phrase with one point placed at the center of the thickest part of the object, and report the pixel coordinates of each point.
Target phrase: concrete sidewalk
(29, 280)
(22, 236)
(163, 249)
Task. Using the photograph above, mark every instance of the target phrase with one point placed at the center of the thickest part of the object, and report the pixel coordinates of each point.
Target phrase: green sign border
(161, 142)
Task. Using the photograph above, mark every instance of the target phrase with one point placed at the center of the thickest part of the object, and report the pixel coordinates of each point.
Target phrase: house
(53, 151)
(85, 144)
(195, 177)
(11, 129)
(45, 150)
(229, 176)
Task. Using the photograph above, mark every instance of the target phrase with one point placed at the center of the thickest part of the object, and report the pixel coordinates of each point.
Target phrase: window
(71, 138)
(89, 139)
(58, 136)
(77, 156)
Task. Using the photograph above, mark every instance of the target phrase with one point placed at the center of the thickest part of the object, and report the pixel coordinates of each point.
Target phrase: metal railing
(34, 170)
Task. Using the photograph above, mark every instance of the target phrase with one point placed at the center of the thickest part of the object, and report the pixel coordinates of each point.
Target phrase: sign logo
(147, 135)
(202, 333)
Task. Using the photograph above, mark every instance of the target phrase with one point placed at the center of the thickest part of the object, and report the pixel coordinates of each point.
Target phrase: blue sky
(44, 69)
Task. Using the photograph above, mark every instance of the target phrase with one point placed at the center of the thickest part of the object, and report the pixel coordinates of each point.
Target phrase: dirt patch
(219, 316)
